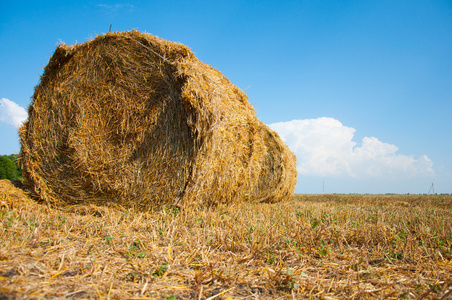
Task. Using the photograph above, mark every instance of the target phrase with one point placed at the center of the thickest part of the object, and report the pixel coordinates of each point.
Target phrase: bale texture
(139, 121)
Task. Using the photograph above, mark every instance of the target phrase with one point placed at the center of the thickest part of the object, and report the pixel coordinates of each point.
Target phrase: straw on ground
(314, 246)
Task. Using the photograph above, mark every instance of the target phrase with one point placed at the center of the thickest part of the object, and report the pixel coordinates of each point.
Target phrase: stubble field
(312, 247)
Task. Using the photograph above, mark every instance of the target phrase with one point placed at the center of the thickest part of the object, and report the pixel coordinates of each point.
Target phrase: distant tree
(15, 159)
(8, 167)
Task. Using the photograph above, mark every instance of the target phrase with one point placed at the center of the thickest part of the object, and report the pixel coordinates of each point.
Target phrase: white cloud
(114, 9)
(11, 113)
(116, 6)
(325, 147)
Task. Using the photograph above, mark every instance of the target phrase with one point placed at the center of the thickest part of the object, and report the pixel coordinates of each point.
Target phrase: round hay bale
(139, 121)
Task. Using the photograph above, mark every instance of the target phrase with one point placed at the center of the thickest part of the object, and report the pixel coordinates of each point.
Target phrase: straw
(133, 119)
(313, 246)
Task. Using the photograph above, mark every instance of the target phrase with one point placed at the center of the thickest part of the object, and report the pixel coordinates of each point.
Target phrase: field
(313, 247)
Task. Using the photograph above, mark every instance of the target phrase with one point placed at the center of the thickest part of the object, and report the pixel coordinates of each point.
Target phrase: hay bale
(134, 119)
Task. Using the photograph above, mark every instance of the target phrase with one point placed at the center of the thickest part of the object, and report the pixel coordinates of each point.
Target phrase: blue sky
(361, 91)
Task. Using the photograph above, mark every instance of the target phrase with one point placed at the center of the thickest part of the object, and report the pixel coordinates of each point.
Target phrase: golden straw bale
(137, 120)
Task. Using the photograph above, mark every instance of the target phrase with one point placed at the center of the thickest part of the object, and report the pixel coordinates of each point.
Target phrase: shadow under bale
(139, 121)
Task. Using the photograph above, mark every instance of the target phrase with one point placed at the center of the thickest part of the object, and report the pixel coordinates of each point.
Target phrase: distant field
(315, 246)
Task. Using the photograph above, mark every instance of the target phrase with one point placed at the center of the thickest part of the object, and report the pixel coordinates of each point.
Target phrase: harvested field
(314, 246)
(133, 119)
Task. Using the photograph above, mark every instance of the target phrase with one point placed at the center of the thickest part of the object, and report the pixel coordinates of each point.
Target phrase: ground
(314, 246)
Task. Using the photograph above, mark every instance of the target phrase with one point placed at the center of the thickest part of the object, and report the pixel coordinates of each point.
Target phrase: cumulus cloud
(325, 147)
(11, 113)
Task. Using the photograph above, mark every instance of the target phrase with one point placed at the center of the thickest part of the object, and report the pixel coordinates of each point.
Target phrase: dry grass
(131, 118)
(315, 246)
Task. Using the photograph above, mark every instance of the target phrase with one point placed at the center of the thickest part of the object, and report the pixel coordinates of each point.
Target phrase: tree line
(9, 168)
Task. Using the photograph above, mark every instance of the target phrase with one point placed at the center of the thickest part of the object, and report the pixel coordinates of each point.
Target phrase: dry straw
(139, 121)
(311, 247)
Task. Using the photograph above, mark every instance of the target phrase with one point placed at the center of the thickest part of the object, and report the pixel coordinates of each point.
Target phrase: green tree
(15, 159)
(8, 168)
